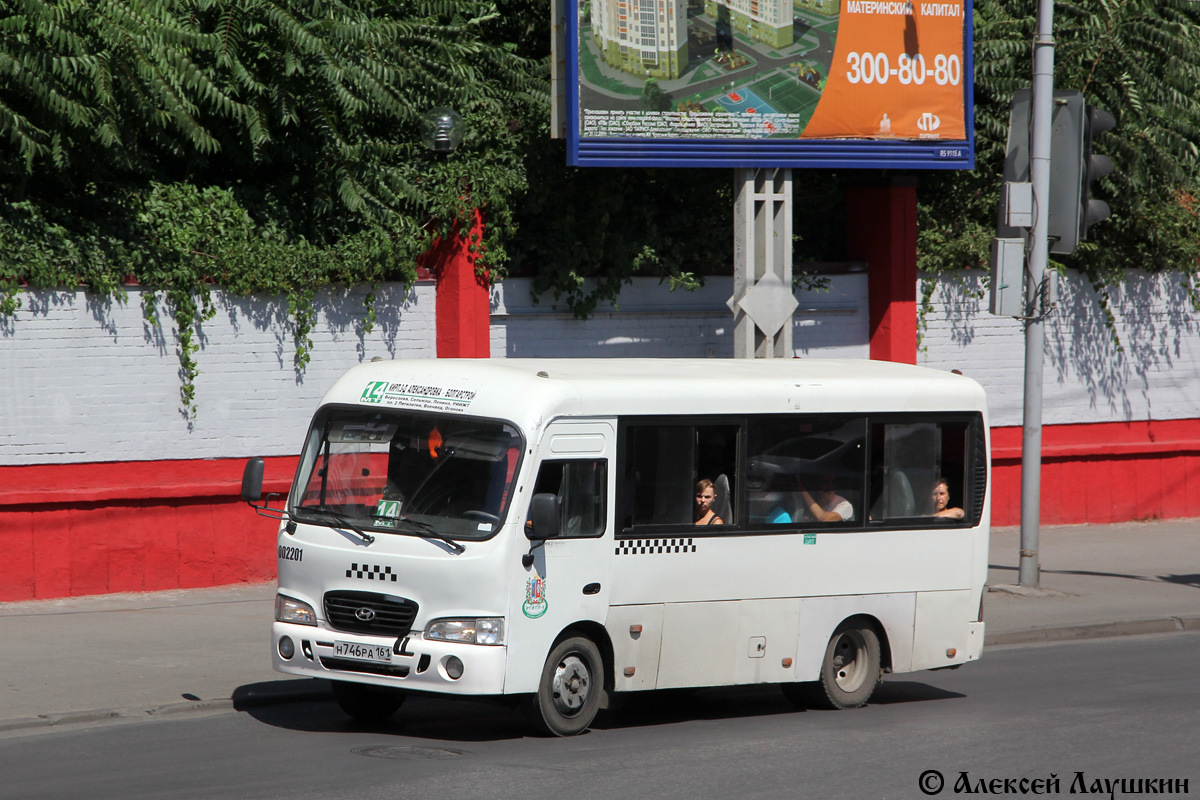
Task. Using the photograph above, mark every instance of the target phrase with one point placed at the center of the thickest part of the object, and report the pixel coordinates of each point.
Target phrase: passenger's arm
(815, 511)
(950, 513)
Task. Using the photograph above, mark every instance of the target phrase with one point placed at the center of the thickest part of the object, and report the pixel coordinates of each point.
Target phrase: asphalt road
(1108, 709)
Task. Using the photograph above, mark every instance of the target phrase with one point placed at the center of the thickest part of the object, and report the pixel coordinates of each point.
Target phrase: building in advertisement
(769, 21)
(828, 8)
(647, 38)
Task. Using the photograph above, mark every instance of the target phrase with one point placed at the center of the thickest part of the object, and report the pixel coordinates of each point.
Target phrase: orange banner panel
(897, 72)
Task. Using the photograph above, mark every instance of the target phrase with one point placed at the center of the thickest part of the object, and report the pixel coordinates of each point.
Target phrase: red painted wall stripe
(463, 298)
(136, 480)
(1103, 438)
(1103, 472)
(77, 529)
(881, 229)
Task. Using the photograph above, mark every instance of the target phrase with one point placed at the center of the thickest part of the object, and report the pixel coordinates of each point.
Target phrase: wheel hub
(571, 685)
(849, 668)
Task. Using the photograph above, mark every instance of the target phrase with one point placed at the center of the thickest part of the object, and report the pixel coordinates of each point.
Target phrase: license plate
(363, 652)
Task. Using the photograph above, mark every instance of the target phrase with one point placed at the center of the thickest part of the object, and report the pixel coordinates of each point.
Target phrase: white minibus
(563, 530)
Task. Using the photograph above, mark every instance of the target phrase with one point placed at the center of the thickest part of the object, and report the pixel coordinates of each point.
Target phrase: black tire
(850, 670)
(570, 689)
(367, 703)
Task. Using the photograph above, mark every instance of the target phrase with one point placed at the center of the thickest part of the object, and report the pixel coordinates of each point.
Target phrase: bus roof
(532, 391)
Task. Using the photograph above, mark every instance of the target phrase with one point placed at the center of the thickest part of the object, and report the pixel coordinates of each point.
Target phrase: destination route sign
(746, 83)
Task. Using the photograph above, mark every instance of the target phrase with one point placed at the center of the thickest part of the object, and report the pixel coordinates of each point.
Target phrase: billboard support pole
(1041, 118)
(762, 301)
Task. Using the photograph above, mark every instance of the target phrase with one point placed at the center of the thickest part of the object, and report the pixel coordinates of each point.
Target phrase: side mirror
(252, 479)
(545, 516)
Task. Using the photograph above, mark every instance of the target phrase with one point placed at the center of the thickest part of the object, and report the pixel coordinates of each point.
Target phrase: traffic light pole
(1041, 118)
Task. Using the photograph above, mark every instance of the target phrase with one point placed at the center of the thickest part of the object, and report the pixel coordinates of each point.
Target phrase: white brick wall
(1154, 374)
(86, 380)
(652, 321)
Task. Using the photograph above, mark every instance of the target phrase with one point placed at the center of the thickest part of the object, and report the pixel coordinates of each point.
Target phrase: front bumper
(416, 664)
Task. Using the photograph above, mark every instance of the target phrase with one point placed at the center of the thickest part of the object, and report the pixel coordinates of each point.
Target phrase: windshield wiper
(427, 531)
(341, 519)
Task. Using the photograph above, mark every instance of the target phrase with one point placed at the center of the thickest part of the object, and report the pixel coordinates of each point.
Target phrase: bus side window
(581, 488)
(663, 464)
(909, 460)
(659, 474)
(794, 456)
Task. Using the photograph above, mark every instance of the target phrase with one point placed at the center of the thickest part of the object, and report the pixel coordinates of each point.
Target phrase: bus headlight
(483, 630)
(288, 609)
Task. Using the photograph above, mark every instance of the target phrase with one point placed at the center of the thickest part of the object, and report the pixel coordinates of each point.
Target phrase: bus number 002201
(910, 69)
(291, 553)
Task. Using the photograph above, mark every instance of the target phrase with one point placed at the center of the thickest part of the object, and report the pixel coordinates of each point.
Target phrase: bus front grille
(370, 613)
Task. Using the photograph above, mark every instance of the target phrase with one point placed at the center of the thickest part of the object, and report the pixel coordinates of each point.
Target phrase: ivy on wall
(272, 146)
(263, 146)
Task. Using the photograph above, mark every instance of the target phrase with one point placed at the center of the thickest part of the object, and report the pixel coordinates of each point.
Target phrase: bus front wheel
(570, 689)
(367, 703)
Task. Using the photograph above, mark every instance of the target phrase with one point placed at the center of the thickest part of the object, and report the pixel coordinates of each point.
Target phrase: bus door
(567, 580)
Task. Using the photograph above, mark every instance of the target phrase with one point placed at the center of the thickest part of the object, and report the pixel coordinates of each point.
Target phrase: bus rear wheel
(367, 703)
(850, 670)
(570, 689)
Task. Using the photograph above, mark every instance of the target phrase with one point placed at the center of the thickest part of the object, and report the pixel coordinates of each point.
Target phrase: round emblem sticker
(535, 604)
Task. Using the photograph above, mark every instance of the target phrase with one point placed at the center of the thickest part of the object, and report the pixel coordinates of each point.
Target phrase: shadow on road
(448, 719)
(895, 692)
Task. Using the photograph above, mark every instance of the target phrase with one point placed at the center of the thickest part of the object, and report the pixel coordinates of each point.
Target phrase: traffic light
(1074, 169)
(1095, 167)
(1073, 166)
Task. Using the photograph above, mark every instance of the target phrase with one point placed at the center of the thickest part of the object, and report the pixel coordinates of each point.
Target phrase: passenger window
(581, 487)
(664, 463)
(919, 470)
(805, 470)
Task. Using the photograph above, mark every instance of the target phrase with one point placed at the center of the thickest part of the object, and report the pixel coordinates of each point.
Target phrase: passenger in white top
(823, 504)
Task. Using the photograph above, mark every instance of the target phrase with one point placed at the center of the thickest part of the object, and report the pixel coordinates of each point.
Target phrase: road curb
(1097, 630)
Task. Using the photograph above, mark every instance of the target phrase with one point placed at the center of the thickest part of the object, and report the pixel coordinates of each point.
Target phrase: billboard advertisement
(770, 83)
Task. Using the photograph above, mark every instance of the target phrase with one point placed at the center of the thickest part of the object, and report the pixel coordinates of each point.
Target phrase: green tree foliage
(654, 98)
(268, 146)
(272, 146)
(1140, 60)
(585, 233)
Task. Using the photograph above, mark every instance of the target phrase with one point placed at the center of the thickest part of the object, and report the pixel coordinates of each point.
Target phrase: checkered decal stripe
(645, 547)
(370, 573)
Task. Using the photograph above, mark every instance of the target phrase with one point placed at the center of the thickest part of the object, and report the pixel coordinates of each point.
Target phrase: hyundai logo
(365, 614)
(929, 122)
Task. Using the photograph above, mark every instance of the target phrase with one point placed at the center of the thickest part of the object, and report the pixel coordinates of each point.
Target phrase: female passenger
(941, 501)
(705, 495)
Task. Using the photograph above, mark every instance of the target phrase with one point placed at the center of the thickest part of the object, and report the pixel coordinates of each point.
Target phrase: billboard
(770, 83)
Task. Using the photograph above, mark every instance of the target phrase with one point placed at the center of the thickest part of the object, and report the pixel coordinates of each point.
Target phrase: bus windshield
(407, 472)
